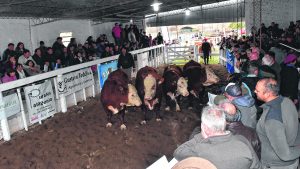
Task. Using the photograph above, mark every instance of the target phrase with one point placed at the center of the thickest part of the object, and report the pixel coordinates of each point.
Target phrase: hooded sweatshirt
(246, 104)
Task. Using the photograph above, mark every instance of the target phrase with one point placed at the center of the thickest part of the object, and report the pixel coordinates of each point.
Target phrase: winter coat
(225, 152)
(246, 105)
(249, 133)
(278, 131)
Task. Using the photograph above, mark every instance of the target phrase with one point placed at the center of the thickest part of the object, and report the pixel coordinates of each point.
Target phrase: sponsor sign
(10, 105)
(230, 62)
(75, 81)
(105, 69)
(40, 101)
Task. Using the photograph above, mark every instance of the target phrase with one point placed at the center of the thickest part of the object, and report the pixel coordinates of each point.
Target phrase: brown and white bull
(149, 87)
(198, 77)
(174, 86)
(116, 94)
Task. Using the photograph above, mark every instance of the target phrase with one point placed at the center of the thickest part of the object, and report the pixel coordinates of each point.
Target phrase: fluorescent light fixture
(150, 15)
(187, 12)
(156, 5)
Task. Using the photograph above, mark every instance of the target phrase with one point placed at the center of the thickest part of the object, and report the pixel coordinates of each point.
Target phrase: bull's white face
(149, 87)
(182, 87)
(133, 97)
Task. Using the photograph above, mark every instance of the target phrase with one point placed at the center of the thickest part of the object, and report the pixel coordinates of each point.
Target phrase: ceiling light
(155, 5)
(187, 12)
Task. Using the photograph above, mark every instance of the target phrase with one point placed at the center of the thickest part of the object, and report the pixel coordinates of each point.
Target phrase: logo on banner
(75, 81)
(10, 105)
(61, 87)
(105, 69)
(40, 101)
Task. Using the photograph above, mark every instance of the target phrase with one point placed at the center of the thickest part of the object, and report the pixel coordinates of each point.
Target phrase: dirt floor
(79, 139)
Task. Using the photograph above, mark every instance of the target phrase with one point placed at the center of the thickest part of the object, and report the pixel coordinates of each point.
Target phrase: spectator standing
(43, 48)
(244, 103)
(58, 47)
(277, 128)
(289, 78)
(206, 49)
(159, 39)
(126, 62)
(131, 36)
(117, 32)
(235, 126)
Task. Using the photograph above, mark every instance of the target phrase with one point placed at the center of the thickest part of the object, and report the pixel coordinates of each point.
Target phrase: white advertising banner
(142, 59)
(10, 105)
(40, 101)
(75, 81)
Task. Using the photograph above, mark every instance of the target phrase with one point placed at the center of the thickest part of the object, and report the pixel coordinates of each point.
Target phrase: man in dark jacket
(289, 78)
(235, 126)
(277, 128)
(126, 62)
(58, 47)
(206, 49)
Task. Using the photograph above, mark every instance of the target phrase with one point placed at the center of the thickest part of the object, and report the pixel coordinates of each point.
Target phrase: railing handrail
(47, 75)
(298, 50)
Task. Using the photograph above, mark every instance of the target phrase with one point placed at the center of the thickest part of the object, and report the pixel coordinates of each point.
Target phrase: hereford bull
(198, 77)
(149, 87)
(174, 86)
(116, 94)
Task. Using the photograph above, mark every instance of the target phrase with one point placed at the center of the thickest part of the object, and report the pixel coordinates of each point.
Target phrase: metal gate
(180, 54)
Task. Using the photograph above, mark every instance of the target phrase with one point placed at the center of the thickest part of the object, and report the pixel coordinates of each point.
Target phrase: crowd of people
(18, 62)
(254, 123)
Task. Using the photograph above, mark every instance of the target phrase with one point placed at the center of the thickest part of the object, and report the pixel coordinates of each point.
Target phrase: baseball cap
(233, 89)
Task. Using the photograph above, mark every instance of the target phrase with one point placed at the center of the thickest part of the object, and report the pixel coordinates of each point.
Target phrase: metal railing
(156, 56)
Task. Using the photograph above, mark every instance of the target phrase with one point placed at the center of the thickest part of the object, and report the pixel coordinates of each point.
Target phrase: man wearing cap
(214, 143)
(244, 103)
(289, 78)
(277, 128)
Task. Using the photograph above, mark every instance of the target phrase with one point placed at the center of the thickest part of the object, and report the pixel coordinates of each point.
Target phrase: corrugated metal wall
(228, 11)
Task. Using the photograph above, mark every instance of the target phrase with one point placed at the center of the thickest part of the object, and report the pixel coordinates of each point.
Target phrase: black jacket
(125, 61)
(289, 82)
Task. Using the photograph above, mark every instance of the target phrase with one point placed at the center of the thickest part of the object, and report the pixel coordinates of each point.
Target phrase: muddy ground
(79, 139)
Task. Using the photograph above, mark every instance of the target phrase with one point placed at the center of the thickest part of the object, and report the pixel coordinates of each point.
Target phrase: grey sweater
(225, 152)
(277, 129)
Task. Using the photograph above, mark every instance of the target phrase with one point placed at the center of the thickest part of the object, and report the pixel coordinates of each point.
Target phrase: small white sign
(10, 105)
(40, 101)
